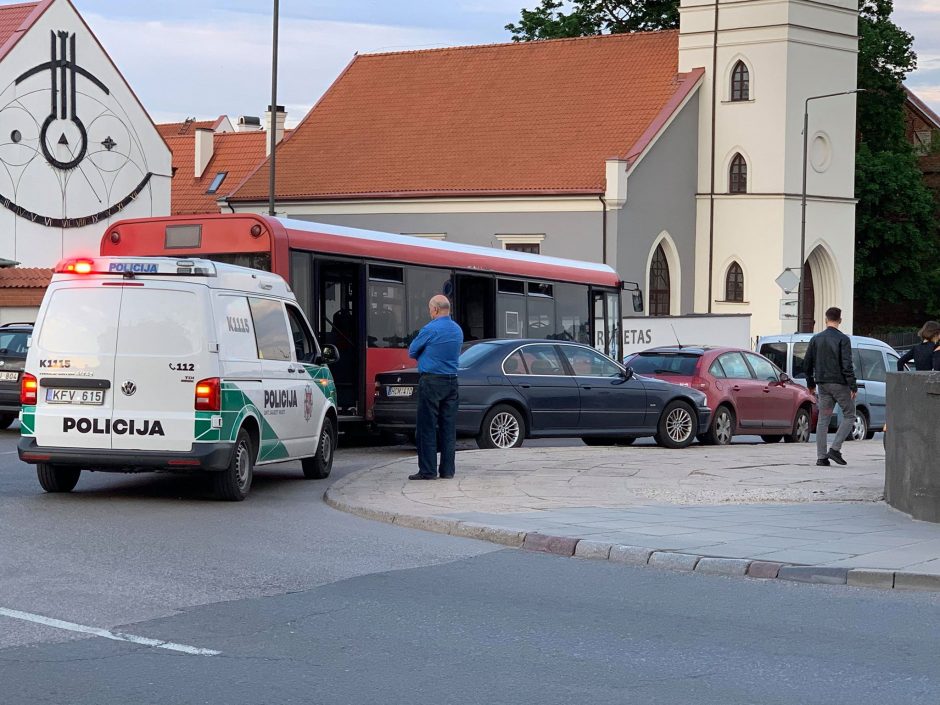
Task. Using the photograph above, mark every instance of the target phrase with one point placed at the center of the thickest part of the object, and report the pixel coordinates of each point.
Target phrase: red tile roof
(23, 286)
(521, 118)
(236, 153)
(187, 127)
(15, 20)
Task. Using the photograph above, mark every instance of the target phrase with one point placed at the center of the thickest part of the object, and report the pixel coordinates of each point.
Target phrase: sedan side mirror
(627, 373)
(785, 378)
(329, 354)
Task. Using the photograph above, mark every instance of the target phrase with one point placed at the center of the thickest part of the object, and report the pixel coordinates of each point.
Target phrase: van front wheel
(318, 467)
(233, 483)
(57, 478)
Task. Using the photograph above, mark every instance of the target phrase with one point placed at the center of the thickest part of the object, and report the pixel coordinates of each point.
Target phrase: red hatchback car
(746, 392)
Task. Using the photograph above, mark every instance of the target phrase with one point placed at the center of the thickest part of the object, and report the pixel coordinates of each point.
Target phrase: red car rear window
(681, 364)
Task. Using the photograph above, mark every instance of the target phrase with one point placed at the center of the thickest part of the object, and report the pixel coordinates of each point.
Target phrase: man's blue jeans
(436, 424)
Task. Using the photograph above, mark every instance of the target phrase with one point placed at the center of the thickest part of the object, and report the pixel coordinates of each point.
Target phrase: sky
(204, 58)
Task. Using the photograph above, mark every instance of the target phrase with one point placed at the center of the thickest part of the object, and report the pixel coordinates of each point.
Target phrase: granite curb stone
(635, 555)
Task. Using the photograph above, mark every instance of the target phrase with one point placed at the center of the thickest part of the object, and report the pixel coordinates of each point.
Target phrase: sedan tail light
(699, 383)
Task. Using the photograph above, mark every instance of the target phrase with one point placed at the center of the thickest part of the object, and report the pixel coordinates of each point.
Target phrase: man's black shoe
(837, 456)
(823, 461)
(447, 477)
(419, 476)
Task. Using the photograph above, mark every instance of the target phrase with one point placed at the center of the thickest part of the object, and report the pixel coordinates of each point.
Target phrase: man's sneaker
(837, 456)
(823, 461)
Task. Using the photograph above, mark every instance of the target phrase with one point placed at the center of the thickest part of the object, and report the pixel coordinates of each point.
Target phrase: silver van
(872, 359)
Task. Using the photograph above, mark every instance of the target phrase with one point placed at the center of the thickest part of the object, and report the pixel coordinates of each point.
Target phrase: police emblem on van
(128, 388)
(308, 402)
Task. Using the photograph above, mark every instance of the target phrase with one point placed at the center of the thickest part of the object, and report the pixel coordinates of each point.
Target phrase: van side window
(305, 346)
(235, 329)
(873, 365)
(776, 353)
(270, 329)
(799, 355)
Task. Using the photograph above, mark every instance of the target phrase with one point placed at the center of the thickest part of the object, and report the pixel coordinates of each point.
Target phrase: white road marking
(104, 633)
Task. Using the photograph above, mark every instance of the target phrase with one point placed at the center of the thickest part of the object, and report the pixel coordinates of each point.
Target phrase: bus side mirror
(329, 354)
(637, 301)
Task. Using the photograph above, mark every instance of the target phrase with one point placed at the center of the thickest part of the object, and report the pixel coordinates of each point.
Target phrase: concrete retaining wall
(912, 444)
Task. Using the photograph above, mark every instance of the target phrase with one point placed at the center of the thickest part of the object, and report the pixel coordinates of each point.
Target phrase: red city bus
(366, 292)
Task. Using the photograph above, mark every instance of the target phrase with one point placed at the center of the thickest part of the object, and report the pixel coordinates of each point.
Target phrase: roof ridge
(534, 42)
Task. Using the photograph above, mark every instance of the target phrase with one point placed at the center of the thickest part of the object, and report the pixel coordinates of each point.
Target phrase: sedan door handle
(736, 388)
(525, 386)
(766, 390)
(861, 386)
(585, 387)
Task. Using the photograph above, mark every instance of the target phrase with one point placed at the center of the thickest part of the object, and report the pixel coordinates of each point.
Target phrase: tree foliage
(896, 235)
(589, 17)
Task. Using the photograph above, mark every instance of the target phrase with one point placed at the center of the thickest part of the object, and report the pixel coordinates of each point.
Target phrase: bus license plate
(399, 391)
(90, 397)
(9, 376)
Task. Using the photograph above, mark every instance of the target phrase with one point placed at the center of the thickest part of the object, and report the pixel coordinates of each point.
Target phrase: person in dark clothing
(926, 355)
(437, 349)
(831, 375)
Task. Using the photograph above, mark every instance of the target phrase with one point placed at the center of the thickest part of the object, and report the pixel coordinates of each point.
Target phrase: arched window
(734, 283)
(740, 82)
(737, 182)
(659, 292)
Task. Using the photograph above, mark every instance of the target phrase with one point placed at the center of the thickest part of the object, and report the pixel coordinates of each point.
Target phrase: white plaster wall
(103, 178)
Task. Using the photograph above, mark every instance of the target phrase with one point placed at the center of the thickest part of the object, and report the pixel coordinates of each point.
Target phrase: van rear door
(162, 351)
(73, 360)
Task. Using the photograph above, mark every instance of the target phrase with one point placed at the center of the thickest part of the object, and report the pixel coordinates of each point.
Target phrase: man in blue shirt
(437, 348)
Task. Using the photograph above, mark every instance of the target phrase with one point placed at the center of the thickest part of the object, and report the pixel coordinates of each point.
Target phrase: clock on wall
(69, 154)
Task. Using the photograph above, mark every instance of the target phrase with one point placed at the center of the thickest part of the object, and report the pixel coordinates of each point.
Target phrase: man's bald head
(438, 306)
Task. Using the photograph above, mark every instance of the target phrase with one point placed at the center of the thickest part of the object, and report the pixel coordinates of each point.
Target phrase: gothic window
(740, 82)
(734, 283)
(738, 175)
(659, 284)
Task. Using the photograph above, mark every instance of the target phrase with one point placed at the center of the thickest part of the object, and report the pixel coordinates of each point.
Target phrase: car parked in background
(14, 341)
(746, 392)
(872, 358)
(511, 390)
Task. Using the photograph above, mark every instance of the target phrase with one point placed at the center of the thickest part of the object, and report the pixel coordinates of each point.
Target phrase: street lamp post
(800, 290)
(272, 111)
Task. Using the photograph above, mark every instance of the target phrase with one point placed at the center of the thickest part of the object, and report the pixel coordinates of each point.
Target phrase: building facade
(78, 149)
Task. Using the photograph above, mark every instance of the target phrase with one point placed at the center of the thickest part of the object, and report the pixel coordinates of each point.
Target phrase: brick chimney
(205, 146)
(280, 116)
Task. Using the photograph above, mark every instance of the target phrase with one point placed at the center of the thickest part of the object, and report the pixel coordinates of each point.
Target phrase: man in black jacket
(828, 365)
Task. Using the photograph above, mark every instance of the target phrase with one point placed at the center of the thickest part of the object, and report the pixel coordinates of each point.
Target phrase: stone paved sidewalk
(762, 508)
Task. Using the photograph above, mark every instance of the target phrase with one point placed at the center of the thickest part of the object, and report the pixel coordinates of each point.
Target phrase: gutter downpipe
(711, 193)
(603, 229)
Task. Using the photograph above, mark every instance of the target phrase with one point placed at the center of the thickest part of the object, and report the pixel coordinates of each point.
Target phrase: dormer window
(217, 182)
(740, 82)
(737, 176)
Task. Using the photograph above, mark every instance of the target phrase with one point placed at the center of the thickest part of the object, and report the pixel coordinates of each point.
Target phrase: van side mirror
(637, 301)
(328, 355)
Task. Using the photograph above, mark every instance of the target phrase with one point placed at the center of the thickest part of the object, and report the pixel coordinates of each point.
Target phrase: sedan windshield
(665, 364)
(475, 352)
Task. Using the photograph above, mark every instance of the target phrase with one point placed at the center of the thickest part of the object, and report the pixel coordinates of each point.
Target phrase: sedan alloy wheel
(677, 425)
(503, 427)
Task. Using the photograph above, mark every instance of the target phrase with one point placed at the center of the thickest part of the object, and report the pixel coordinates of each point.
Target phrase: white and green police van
(159, 364)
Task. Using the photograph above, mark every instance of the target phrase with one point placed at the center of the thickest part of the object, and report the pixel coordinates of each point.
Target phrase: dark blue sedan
(511, 390)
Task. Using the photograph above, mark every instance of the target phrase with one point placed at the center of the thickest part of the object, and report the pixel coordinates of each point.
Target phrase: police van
(185, 365)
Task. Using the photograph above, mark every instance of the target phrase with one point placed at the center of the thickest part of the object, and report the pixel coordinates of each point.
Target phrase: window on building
(217, 182)
(740, 82)
(738, 175)
(530, 243)
(734, 283)
(659, 291)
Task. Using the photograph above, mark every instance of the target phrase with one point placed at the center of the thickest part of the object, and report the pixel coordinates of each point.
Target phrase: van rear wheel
(6, 420)
(57, 478)
(233, 483)
(318, 467)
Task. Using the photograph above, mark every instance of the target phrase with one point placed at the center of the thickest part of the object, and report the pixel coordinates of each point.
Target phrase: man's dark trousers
(437, 424)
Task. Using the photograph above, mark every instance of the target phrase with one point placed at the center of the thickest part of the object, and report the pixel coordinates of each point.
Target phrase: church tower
(763, 59)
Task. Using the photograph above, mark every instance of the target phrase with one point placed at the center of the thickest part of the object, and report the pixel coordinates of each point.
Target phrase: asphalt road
(304, 604)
